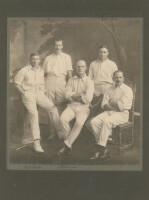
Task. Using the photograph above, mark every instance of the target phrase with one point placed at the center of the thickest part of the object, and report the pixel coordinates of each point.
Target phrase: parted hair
(34, 54)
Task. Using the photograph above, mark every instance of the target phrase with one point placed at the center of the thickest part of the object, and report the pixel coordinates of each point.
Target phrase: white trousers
(101, 88)
(68, 115)
(103, 123)
(55, 88)
(33, 98)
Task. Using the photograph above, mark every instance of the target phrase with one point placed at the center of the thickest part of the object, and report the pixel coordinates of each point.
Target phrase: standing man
(30, 83)
(79, 91)
(116, 104)
(57, 68)
(101, 72)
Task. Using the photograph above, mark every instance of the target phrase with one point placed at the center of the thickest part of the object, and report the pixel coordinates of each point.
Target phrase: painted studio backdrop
(81, 39)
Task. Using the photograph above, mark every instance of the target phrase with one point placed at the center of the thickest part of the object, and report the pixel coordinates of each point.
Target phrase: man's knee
(63, 119)
(93, 122)
(79, 122)
(107, 123)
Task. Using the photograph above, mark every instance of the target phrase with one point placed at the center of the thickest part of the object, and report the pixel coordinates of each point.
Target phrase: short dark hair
(34, 54)
(118, 71)
(103, 46)
(58, 39)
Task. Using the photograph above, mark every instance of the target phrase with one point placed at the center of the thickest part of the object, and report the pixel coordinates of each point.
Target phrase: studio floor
(82, 151)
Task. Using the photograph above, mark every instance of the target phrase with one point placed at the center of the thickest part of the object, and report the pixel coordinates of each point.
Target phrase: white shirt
(102, 71)
(29, 78)
(57, 65)
(123, 95)
(84, 86)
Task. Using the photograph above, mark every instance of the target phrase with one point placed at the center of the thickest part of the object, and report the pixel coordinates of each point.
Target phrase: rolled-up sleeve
(91, 72)
(68, 62)
(19, 78)
(68, 91)
(126, 102)
(105, 100)
(88, 96)
(114, 67)
(45, 63)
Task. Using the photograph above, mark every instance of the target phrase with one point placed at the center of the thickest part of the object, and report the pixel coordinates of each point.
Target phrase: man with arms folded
(116, 104)
(57, 68)
(30, 83)
(79, 91)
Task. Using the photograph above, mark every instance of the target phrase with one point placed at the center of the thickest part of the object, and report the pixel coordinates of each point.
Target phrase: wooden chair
(123, 135)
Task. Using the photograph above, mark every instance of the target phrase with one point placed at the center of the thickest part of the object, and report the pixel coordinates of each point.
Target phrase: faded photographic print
(74, 95)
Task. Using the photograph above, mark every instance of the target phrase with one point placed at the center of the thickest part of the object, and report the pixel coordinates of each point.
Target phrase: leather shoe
(37, 147)
(65, 150)
(95, 156)
(99, 155)
(104, 154)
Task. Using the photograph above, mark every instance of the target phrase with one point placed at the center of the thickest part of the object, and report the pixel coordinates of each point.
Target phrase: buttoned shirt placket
(36, 81)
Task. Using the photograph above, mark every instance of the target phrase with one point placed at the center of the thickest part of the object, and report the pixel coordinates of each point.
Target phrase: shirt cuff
(70, 95)
(84, 99)
(17, 83)
(120, 106)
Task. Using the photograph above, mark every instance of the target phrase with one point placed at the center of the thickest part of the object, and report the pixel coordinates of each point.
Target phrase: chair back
(133, 87)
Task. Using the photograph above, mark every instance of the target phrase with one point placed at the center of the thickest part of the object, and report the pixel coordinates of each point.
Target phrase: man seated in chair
(116, 104)
(30, 83)
(79, 93)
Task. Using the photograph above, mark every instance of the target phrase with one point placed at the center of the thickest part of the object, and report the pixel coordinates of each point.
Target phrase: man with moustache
(79, 92)
(58, 69)
(116, 103)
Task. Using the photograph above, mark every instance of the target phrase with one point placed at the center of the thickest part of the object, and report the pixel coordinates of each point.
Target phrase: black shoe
(95, 156)
(99, 155)
(104, 154)
(65, 150)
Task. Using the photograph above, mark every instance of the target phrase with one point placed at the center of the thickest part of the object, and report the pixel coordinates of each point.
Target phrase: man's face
(103, 53)
(118, 78)
(58, 46)
(81, 67)
(35, 60)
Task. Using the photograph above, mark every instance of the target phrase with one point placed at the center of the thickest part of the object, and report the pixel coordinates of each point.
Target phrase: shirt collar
(83, 78)
(58, 54)
(98, 60)
(30, 67)
(121, 86)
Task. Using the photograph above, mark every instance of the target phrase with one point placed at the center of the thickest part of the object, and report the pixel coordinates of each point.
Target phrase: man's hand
(114, 103)
(75, 96)
(108, 107)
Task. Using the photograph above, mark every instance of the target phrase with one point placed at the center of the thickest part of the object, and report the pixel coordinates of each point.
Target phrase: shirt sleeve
(88, 96)
(19, 78)
(115, 68)
(45, 64)
(42, 81)
(68, 90)
(105, 100)
(68, 63)
(91, 72)
(126, 102)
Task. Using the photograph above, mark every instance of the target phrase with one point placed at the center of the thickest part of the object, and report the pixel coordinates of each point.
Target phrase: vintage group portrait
(74, 95)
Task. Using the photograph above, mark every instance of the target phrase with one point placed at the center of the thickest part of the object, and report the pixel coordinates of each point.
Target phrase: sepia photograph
(74, 94)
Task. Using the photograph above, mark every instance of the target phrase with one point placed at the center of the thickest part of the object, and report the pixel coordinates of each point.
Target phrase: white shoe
(37, 147)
